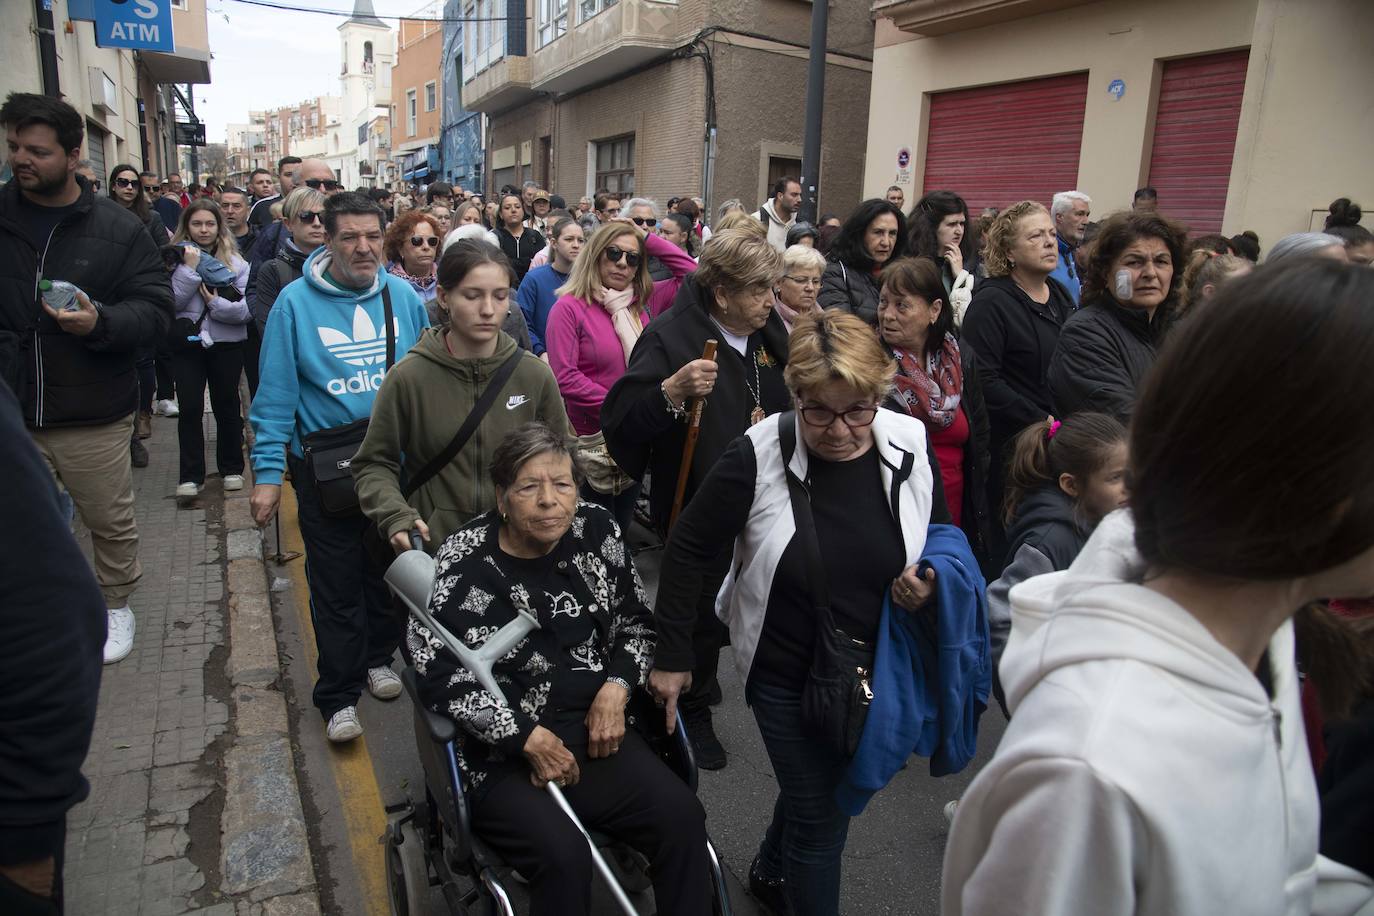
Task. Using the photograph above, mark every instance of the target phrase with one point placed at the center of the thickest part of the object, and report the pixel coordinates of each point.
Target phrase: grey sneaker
(344, 725)
(383, 683)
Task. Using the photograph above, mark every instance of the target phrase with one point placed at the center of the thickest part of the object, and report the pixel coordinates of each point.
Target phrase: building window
(553, 20)
(431, 95)
(411, 113)
(589, 8)
(484, 35)
(615, 165)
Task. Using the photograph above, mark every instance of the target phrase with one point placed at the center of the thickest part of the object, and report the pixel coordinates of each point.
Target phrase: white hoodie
(1144, 770)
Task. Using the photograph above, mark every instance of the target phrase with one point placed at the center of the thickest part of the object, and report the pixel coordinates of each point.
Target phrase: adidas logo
(366, 347)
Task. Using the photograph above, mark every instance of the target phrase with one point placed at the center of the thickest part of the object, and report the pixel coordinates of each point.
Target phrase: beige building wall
(1302, 141)
(420, 45)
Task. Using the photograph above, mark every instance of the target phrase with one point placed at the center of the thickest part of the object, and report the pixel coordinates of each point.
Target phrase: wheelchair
(430, 843)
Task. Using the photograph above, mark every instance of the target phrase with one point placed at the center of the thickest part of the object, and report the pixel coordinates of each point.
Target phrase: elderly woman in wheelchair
(565, 687)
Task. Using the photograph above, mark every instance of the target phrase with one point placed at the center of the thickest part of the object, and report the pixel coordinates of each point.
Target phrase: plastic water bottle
(60, 295)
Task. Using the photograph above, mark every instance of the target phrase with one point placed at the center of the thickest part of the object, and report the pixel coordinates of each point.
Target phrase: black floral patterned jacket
(477, 589)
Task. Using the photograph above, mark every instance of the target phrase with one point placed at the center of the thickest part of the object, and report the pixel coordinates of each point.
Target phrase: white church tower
(367, 52)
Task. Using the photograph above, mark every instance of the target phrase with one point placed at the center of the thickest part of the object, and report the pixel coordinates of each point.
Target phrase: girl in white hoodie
(1156, 762)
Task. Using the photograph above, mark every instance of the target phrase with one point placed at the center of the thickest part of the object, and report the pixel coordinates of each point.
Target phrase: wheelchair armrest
(442, 729)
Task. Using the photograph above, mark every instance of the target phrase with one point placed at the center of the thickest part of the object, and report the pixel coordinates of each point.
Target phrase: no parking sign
(144, 25)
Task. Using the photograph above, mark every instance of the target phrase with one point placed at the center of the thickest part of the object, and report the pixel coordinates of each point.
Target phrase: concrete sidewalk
(194, 804)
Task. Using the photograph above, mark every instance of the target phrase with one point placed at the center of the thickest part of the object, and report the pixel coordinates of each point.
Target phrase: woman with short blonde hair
(872, 495)
(738, 219)
(800, 283)
(591, 330)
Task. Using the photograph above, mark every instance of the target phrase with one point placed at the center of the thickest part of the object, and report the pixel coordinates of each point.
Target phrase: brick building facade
(622, 99)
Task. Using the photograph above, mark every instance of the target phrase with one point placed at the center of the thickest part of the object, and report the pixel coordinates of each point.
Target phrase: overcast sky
(265, 58)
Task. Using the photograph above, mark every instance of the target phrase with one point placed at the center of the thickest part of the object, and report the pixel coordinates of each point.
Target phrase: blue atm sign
(143, 25)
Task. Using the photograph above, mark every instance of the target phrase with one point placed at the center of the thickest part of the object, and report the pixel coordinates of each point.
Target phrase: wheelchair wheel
(630, 867)
(407, 872)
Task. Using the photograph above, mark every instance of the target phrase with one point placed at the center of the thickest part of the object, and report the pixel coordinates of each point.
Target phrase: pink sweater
(584, 351)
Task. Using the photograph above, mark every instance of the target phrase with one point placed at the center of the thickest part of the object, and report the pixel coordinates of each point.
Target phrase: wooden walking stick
(694, 406)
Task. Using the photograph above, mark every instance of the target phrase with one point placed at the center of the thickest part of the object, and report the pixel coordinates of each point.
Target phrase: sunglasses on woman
(642, 221)
(127, 182)
(309, 216)
(614, 254)
(317, 183)
(417, 241)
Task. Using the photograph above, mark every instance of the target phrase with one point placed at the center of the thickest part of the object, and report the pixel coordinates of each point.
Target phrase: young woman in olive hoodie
(429, 394)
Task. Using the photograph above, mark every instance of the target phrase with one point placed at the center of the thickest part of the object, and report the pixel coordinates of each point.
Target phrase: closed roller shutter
(995, 145)
(1195, 136)
(95, 151)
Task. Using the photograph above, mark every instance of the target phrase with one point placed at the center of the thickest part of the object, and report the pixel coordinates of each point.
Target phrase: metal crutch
(411, 577)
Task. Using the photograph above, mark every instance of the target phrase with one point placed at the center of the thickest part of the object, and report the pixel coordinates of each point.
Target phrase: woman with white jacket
(1156, 761)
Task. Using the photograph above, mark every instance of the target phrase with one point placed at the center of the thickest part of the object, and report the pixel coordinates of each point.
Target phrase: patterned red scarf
(930, 388)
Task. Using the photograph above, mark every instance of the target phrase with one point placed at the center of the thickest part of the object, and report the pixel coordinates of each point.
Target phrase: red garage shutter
(1195, 136)
(995, 145)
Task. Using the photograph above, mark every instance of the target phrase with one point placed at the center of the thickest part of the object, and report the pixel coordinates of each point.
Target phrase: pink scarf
(930, 389)
(788, 314)
(624, 316)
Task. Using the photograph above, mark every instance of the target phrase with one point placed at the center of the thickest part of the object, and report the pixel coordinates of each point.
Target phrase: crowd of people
(904, 464)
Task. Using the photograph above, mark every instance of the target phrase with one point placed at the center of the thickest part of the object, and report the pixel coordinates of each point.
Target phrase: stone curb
(265, 848)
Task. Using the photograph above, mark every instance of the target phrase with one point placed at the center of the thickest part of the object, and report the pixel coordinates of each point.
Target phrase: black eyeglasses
(854, 417)
(126, 182)
(151, 188)
(417, 241)
(309, 216)
(327, 184)
(641, 221)
(614, 254)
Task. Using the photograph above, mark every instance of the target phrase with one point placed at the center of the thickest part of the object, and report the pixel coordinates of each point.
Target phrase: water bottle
(59, 295)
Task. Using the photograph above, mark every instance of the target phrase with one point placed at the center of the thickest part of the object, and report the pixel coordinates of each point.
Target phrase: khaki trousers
(92, 463)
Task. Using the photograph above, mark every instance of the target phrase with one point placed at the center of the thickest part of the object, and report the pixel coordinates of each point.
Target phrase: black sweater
(640, 432)
(520, 250)
(52, 634)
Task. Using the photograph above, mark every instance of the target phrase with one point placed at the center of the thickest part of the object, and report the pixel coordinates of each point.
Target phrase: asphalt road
(891, 862)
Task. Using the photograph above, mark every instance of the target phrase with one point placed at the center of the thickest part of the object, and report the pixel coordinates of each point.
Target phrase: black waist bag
(329, 452)
(838, 691)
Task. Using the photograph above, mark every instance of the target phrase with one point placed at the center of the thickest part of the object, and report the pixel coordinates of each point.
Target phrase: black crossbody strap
(460, 438)
(801, 513)
(390, 326)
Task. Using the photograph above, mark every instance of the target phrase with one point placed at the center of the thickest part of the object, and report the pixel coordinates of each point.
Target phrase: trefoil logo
(365, 347)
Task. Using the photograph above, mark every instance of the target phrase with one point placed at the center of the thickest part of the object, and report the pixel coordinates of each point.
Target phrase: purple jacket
(584, 351)
(226, 322)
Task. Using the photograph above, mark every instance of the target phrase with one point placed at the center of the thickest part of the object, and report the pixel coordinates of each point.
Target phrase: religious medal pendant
(756, 415)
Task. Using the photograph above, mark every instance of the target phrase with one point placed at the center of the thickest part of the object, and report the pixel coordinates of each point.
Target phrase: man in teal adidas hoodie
(324, 355)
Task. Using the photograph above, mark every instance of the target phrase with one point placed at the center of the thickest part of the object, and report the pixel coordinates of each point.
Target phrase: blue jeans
(804, 842)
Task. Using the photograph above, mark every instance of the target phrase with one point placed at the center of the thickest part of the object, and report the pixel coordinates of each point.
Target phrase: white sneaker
(188, 490)
(119, 633)
(383, 683)
(233, 482)
(951, 808)
(169, 408)
(344, 725)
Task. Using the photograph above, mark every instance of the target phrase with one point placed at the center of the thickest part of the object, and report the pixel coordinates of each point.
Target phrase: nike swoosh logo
(515, 401)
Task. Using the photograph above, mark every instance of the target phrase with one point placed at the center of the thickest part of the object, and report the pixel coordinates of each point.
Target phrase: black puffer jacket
(61, 379)
(849, 289)
(273, 277)
(1103, 354)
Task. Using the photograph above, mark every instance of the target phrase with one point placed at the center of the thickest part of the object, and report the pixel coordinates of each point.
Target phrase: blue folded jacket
(932, 673)
(212, 270)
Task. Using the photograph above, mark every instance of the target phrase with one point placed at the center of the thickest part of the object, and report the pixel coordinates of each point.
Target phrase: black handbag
(376, 542)
(185, 333)
(329, 452)
(838, 690)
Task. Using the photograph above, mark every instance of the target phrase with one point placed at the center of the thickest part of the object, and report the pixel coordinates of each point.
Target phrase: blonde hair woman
(1013, 324)
(598, 318)
(208, 337)
(303, 219)
(800, 284)
(872, 494)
